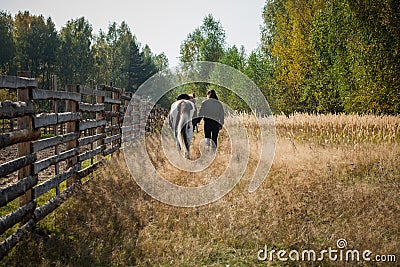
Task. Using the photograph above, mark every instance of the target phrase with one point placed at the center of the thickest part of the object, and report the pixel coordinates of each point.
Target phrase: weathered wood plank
(16, 216)
(16, 164)
(52, 141)
(46, 119)
(109, 100)
(111, 150)
(90, 139)
(45, 163)
(14, 82)
(89, 91)
(46, 94)
(53, 182)
(12, 192)
(88, 170)
(109, 88)
(126, 97)
(9, 109)
(112, 138)
(91, 124)
(11, 138)
(13, 239)
(54, 202)
(112, 128)
(90, 154)
(68, 116)
(91, 107)
(109, 114)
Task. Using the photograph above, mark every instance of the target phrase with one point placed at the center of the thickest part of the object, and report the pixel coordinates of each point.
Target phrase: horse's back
(180, 120)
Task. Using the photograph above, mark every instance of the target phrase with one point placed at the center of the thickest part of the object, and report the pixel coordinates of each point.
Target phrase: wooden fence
(38, 174)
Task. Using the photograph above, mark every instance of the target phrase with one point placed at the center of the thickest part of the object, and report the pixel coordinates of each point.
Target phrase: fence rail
(83, 133)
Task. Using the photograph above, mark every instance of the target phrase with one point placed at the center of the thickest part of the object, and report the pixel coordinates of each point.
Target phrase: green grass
(47, 135)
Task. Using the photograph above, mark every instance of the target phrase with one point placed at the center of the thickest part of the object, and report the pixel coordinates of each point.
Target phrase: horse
(180, 120)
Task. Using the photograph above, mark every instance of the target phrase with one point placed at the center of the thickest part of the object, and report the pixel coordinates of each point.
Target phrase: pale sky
(163, 25)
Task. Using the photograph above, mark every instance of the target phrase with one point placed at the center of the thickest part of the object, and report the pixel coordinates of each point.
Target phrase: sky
(163, 25)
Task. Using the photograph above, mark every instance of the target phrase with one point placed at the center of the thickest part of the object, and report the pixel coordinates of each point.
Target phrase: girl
(212, 112)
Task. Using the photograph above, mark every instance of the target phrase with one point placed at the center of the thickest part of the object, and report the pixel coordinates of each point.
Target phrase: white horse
(180, 120)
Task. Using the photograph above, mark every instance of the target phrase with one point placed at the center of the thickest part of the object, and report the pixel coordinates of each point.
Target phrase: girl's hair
(212, 94)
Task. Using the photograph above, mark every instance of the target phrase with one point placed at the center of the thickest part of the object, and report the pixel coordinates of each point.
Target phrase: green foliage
(234, 58)
(205, 43)
(334, 55)
(120, 59)
(7, 48)
(7, 94)
(326, 89)
(260, 69)
(36, 43)
(325, 56)
(75, 54)
(46, 135)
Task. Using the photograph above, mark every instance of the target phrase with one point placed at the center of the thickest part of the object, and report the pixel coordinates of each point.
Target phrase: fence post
(72, 106)
(143, 118)
(116, 121)
(100, 130)
(93, 130)
(136, 116)
(127, 115)
(150, 118)
(55, 131)
(24, 148)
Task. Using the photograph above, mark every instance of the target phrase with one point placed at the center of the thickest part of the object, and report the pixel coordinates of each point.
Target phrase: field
(333, 177)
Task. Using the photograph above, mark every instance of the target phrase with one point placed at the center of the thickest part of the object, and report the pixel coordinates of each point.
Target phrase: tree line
(208, 43)
(315, 56)
(74, 53)
(334, 56)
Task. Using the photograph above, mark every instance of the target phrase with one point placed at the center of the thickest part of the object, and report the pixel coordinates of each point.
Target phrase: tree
(135, 67)
(101, 59)
(260, 69)
(160, 61)
(375, 56)
(7, 49)
(206, 43)
(334, 56)
(120, 59)
(289, 25)
(50, 52)
(76, 54)
(36, 42)
(328, 86)
(22, 23)
(234, 58)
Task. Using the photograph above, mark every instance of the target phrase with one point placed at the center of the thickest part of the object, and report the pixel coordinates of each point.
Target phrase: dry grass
(333, 177)
(340, 128)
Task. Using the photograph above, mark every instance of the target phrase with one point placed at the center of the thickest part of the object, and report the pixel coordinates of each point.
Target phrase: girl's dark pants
(211, 130)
